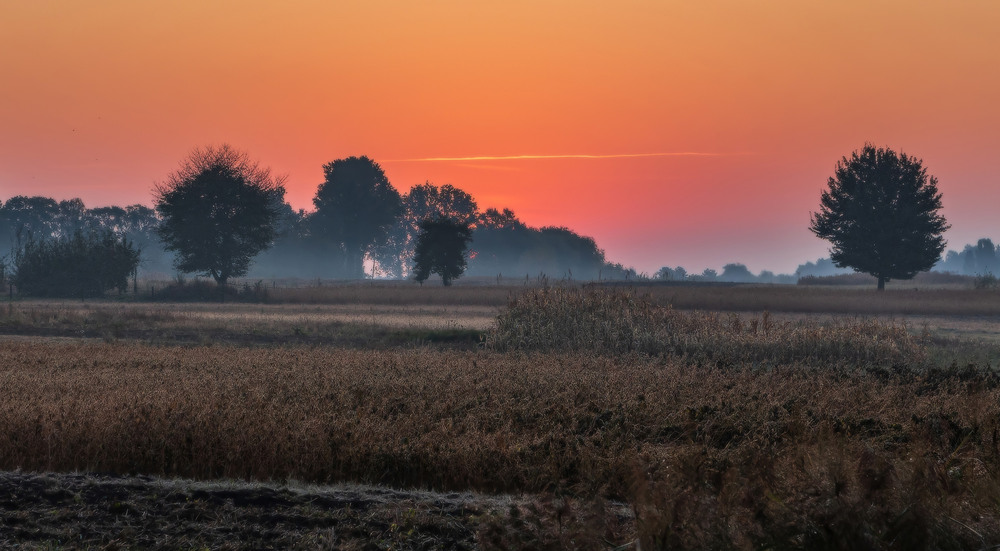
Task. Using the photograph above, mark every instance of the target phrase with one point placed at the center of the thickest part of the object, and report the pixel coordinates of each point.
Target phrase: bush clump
(82, 265)
(986, 281)
(611, 321)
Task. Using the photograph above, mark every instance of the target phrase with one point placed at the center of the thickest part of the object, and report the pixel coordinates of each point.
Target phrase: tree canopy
(219, 210)
(423, 201)
(356, 206)
(880, 213)
(79, 265)
(440, 249)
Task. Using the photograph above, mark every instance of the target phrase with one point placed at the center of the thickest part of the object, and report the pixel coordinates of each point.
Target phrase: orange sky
(99, 100)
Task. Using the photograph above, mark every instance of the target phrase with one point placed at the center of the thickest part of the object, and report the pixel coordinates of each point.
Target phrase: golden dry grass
(724, 456)
(721, 429)
(243, 316)
(901, 298)
(613, 321)
(808, 299)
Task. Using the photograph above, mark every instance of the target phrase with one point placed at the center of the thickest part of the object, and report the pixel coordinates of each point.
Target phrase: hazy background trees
(979, 259)
(43, 218)
(503, 245)
(313, 244)
(500, 243)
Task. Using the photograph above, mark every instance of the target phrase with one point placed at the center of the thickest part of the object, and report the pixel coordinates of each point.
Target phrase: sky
(673, 132)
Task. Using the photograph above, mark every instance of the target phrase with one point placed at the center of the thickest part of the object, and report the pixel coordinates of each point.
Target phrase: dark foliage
(502, 244)
(441, 247)
(880, 213)
(356, 206)
(420, 203)
(45, 218)
(219, 210)
(82, 265)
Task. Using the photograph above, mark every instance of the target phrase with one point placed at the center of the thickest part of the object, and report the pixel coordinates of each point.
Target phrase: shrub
(610, 321)
(985, 281)
(82, 265)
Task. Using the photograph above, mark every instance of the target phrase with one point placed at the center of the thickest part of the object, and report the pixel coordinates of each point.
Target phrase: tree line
(223, 215)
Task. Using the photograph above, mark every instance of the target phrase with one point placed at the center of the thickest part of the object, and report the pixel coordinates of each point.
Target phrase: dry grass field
(900, 297)
(618, 420)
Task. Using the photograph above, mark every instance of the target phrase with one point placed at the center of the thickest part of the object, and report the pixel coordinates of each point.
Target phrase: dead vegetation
(370, 326)
(614, 322)
(718, 430)
(736, 456)
(926, 296)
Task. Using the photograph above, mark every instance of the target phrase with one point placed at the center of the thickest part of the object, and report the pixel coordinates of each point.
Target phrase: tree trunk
(220, 278)
(881, 283)
(354, 265)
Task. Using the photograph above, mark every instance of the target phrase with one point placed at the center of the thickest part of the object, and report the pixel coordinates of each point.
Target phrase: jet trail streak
(571, 156)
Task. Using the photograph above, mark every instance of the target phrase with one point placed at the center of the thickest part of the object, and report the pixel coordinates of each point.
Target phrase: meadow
(616, 419)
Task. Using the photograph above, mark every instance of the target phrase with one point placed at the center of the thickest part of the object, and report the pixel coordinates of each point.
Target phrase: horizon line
(566, 156)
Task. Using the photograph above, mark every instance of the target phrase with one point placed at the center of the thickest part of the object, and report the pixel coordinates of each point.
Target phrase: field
(505, 416)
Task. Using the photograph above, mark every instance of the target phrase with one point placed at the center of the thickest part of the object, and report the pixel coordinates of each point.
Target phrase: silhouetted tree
(420, 203)
(356, 206)
(76, 266)
(881, 215)
(219, 210)
(28, 216)
(440, 249)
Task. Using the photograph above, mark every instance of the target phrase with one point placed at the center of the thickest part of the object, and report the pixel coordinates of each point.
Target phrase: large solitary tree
(219, 210)
(881, 214)
(356, 206)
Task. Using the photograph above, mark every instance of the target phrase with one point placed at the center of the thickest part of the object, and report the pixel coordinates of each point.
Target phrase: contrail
(571, 156)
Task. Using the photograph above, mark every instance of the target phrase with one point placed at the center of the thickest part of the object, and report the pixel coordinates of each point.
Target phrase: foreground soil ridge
(106, 511)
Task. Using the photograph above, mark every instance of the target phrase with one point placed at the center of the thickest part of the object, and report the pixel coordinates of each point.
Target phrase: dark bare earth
(85, 511)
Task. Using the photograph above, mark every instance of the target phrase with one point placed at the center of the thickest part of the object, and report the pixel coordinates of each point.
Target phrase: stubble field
(588, 419)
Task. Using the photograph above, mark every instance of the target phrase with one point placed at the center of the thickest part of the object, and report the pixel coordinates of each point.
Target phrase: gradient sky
(746, 105)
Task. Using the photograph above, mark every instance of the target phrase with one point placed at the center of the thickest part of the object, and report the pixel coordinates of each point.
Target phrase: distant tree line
(502, 244)
(731, 273)
(224, 216)
(980, 259)
(361, 227)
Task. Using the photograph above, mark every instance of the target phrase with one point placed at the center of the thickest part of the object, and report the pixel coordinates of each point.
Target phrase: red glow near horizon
(548, 108)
